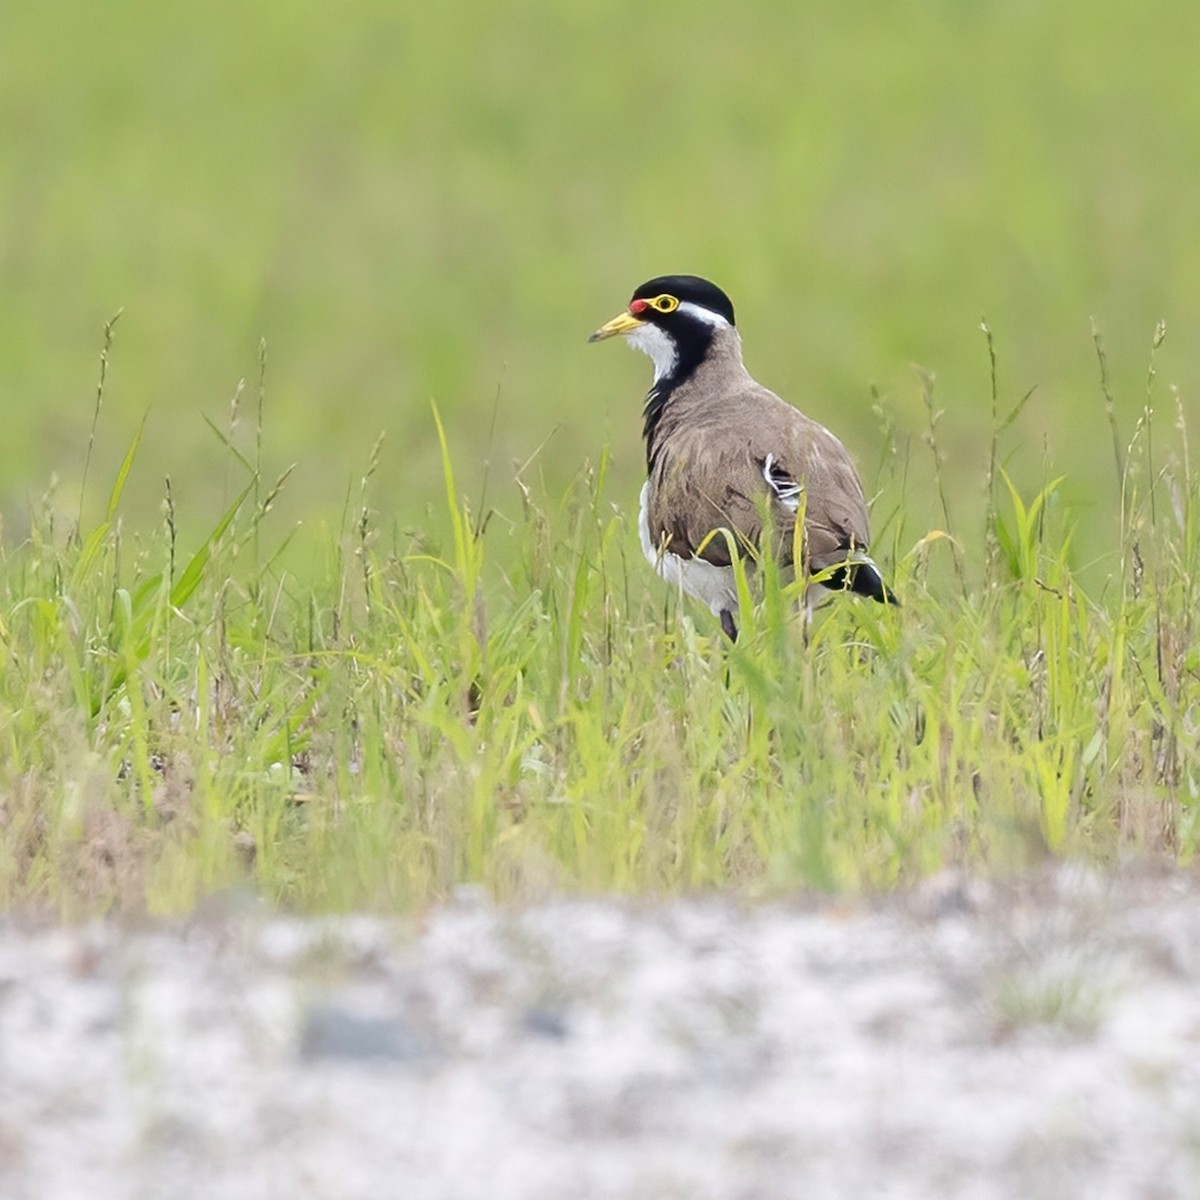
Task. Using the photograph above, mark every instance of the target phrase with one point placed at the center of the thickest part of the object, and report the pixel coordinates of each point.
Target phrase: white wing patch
(786, 489)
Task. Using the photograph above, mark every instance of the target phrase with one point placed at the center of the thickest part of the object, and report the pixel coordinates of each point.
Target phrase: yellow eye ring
(664, 303)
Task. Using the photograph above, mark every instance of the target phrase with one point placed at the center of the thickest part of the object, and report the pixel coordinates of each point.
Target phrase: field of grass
(438, 658)
(421, 717)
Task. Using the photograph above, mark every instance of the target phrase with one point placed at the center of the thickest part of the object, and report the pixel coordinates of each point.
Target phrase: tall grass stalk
(519, 703)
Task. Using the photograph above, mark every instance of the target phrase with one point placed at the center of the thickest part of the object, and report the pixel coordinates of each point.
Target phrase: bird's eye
(664, 303)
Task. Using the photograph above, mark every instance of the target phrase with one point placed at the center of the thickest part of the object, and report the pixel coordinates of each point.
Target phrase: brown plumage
(711, 448)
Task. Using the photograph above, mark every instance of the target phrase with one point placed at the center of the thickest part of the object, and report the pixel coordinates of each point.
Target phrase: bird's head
(672, 319)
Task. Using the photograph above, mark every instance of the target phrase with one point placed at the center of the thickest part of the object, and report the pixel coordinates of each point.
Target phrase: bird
(723, 453)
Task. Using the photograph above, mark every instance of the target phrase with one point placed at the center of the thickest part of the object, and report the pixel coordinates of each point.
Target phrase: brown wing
(750, 457)
(834, 507)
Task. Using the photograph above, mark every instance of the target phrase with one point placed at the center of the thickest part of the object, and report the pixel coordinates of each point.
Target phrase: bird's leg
(727, 624)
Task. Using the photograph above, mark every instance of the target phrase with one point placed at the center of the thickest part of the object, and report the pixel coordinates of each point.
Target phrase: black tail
(863, 579)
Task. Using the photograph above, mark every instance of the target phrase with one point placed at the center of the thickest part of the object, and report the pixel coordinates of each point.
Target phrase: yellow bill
(624, 322)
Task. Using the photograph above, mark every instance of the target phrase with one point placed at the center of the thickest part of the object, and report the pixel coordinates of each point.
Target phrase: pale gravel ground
(1034, 1040)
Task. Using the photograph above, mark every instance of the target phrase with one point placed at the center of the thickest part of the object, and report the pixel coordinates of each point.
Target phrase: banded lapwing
(725, 454)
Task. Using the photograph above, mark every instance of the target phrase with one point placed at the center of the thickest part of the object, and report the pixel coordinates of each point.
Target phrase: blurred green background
(416, 201)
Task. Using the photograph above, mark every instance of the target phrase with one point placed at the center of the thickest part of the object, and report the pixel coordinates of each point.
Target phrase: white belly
(710, 584)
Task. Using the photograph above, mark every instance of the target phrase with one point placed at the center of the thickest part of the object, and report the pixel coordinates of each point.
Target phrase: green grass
(345, 683)
(524, 705)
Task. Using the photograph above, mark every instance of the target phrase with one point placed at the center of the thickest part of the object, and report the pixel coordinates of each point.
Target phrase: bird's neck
(703, 370)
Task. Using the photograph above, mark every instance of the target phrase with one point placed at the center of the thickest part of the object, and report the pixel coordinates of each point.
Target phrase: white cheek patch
(651, 340)
(698, 313)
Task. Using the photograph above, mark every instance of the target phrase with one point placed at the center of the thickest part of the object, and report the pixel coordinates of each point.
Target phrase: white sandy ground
(1027, 1040)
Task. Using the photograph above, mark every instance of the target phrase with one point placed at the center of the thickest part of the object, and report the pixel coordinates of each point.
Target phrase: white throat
(660, 346)
(651, 340)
